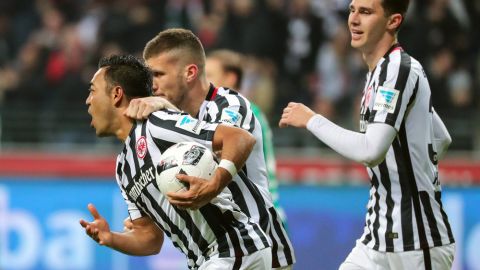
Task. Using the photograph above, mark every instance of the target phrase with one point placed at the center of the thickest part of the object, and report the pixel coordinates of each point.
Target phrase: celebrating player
(218, 235)
(177, 60)
(400, 140)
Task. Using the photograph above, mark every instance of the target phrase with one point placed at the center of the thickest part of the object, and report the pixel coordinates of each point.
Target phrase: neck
(374, 55)
(123, 125)
(196, 96)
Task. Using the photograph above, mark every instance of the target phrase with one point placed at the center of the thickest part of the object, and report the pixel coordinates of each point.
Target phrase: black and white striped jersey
(223, 105)
(404, 211)
(219, 227)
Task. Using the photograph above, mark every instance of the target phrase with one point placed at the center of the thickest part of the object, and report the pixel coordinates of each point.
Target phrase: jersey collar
(212, 93)
(394, 47)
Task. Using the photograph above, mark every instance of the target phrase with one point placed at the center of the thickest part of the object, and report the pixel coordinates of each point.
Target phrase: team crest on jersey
(231, 117)
(386, 99)
(189, 124)
(141, 147)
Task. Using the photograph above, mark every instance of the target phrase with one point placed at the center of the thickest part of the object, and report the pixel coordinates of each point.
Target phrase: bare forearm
(236, 145)
(237, 149)
(136, 243)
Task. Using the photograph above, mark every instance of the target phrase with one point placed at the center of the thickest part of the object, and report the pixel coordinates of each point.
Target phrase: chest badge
(141, 147)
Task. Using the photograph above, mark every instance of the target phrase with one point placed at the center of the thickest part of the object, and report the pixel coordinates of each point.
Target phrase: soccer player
(399, 141)
(177, 60)
(216, 236)
(224, 67)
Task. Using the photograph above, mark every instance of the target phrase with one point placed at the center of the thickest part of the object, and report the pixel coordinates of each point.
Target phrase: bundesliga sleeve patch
(386, 99)
(189, 124)
(231, 117)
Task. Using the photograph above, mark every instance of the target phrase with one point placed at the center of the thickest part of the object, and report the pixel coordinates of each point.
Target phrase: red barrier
(452, 171)
(61, 165)
(309, 170)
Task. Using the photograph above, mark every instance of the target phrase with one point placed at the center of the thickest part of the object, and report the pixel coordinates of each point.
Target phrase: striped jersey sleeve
(229, 107)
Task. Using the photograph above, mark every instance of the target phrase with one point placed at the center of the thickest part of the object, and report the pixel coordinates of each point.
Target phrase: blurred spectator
(304, 37)
(130, 24)
(460, 89)
(24, 95)
(305, 34)
(339, 71)
(254, 28)
(258, 83)
(49, 50)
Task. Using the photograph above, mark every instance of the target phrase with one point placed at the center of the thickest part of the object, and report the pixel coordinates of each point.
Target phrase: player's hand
(127, 224)
(141, 108)
(200, 193)
(295, 115)
(98, 229)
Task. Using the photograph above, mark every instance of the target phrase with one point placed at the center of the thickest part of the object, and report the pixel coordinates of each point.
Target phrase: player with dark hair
(400, 141)
(216, 236)
(177, 60)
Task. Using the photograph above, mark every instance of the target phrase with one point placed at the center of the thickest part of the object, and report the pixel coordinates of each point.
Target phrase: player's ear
(191, 72)
(117, 95)
(394, 21)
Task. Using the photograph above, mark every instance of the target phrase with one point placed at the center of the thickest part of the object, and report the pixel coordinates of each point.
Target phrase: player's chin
(355, 44)
(101, 133)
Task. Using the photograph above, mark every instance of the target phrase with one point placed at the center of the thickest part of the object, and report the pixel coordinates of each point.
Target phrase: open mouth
(356, 34)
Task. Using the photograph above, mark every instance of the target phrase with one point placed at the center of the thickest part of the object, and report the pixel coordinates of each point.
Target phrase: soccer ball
(188, 158)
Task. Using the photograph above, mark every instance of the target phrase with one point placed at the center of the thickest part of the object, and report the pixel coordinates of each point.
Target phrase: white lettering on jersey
(141, 181)
(386, 99)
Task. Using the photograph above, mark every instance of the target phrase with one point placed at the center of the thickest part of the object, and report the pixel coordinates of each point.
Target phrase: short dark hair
(230, 61)
(395, 6)
(180, 39)
(130, 73)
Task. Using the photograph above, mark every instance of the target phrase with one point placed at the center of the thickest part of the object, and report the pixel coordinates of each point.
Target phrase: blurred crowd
(295, 50)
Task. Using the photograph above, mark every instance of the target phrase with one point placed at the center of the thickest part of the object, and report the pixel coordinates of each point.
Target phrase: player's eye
(365, 11)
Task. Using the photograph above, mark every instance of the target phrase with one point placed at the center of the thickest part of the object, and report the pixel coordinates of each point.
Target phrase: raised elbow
(245, 139)
(251, 140)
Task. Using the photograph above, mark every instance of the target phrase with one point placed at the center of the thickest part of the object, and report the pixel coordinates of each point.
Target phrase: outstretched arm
(141, 108)
(144, 238)
(368, 148)
(235, 145)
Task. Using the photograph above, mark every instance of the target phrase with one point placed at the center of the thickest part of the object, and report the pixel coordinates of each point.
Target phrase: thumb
(183, 178)
(93, 211)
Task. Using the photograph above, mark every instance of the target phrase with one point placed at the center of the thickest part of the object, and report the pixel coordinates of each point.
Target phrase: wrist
(229, 166)
(314, 122)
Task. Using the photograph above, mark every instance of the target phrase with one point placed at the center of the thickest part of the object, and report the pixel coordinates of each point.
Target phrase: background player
(406, 226)
(224, 67)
